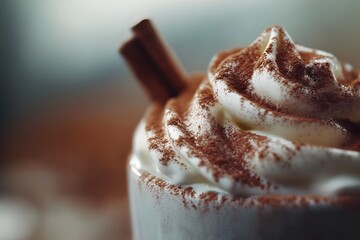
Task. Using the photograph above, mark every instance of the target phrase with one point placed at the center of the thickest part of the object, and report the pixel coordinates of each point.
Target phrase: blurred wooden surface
(85, 140)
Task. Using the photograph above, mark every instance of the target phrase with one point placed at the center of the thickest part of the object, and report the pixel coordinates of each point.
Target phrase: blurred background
(69, 104)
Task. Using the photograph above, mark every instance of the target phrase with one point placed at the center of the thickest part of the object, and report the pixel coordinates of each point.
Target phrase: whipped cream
(272, 118)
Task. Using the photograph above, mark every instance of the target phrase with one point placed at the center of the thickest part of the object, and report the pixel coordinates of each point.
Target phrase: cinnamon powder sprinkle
(204, 200)
(155, 121)
(224, 147)
(158, 141)
(222, 150)
(291, 66)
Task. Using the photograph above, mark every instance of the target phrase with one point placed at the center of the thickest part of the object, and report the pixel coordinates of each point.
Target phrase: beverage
(265, 146)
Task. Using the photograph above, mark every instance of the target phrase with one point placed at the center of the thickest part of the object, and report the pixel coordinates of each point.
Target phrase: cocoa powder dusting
(289, 62)
(158, 141)
(159, 186)
(204, 201)
(223, 149)
(238, 69)
(290, 66)
(155, 123)
(221, 57)
(208, 197)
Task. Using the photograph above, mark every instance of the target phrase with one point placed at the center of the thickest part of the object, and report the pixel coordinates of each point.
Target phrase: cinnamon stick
(160, 53)
(146, 70)
(152, 63)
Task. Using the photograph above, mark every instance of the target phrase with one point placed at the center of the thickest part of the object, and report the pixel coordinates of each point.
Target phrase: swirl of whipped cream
(272, 118)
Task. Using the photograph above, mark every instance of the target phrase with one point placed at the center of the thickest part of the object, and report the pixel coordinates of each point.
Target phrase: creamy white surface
(318, 166)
